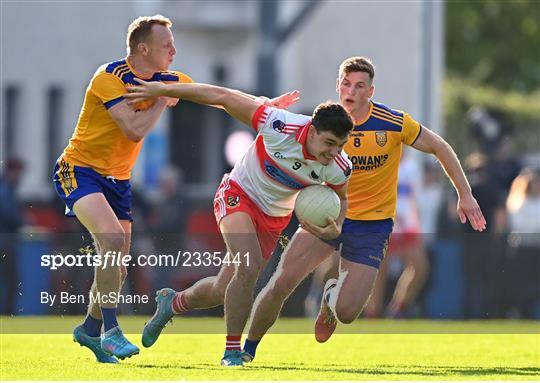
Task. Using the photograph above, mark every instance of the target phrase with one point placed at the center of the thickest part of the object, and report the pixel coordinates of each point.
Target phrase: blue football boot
(113, 342)
(232, 358)
(152, 329)
(93, 343)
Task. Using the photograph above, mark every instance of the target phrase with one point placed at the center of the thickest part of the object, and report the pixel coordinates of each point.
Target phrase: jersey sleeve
(261, 117)
(270, 121)
(108, 88)
(410, 131)
(340, 172)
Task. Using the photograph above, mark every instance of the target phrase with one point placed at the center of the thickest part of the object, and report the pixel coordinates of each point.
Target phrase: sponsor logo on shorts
(233, 201)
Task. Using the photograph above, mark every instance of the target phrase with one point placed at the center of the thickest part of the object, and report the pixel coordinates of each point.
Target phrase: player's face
(324, 146)
(161, 48)
(354, 90)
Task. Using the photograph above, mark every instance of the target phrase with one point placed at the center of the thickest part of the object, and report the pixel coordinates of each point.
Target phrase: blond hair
(140, 29)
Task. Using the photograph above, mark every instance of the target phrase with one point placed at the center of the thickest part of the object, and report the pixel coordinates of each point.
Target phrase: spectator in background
(170, 212)
(11, 221)
(523, 257)
(504, 164)
(481, 254)
(432, 198)
(168, 219)
(406, 245)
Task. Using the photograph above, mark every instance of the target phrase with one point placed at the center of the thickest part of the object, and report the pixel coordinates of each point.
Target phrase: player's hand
(144, 91)
(283, 101)
(468, 209)
(330, 231)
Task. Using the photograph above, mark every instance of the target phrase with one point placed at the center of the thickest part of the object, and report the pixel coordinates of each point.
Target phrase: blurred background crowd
(476, 81)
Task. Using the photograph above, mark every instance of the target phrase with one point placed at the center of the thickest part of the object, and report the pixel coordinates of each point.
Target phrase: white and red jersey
(277, 166)
(407, 219)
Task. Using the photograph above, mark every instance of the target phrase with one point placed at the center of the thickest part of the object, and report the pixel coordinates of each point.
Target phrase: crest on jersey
(233, 201)
(278, 126)
(380, 137)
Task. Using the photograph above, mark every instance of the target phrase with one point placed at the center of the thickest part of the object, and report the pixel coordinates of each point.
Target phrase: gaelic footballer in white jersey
(277, 165)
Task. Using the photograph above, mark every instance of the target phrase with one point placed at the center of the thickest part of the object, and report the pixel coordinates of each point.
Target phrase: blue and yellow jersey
(98, 142)
(374, 148)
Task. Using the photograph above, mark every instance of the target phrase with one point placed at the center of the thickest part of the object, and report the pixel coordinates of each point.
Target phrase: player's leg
(375, 305)
(240, 236)
(98, 217)
(412, 278)
(206, 293)
(94, 310)
(126, 226)
(210, 291)
(344, 299)
(364, 247)
(88, 334)
(302, 255)
(326, 270)
(355, 285)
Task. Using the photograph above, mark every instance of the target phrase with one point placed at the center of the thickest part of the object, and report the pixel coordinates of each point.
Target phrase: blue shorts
(364, 242)
(74, 182)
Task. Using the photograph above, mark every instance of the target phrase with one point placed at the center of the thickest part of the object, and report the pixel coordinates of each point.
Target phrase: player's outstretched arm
(281, 102)
(239, 105)
(467, 207)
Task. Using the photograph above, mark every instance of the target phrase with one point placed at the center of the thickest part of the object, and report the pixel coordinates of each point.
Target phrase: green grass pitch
(379, 350)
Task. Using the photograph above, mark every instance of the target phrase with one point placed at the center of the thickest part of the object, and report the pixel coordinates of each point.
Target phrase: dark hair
(332, 117)
(357, 64)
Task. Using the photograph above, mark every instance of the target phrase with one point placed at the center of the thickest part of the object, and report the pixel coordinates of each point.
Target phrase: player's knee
(114, 238)
(114, 242)
(346, 315)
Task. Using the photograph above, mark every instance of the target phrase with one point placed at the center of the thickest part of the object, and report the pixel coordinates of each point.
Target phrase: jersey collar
(301, 137)
(138, 75)
(368, 115)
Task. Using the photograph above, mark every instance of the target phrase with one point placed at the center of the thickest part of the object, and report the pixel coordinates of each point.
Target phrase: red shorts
(404, 241)
(230, 198)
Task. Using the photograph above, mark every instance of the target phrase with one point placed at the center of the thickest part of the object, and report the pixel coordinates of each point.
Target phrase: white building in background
(48, 46)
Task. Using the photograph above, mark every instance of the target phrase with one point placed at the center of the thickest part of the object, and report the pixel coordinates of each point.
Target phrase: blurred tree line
(493, 61)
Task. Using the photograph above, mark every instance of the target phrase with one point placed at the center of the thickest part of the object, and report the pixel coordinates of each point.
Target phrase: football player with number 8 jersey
(374, 149)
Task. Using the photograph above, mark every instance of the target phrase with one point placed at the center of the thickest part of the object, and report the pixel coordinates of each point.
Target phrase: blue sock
(92, 326)
(109, 318)
(250, 346)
